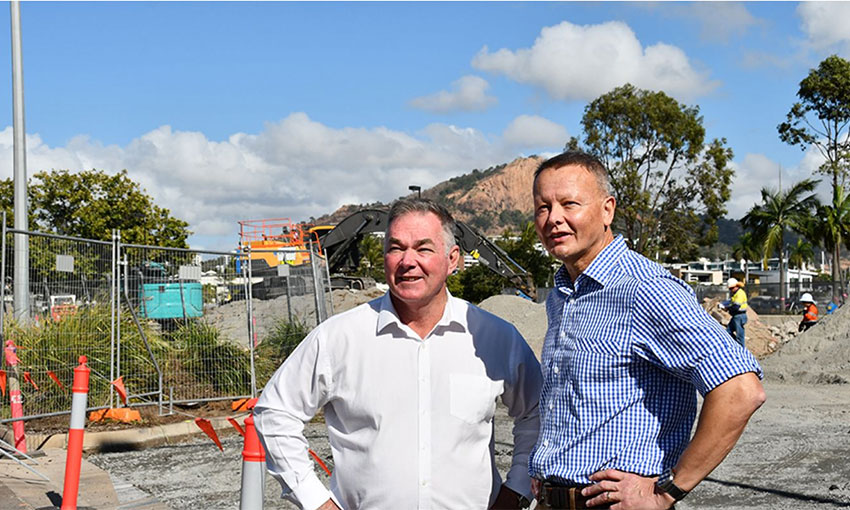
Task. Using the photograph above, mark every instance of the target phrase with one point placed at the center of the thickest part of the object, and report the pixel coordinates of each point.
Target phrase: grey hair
(587, 161)
(405, 206)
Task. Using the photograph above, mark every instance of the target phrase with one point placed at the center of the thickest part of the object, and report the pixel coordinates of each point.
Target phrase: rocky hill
(491, 200)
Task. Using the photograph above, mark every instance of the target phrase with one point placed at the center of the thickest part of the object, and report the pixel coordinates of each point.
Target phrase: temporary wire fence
(177, 325)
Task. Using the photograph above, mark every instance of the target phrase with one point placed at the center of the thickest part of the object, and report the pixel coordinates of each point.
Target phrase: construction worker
(810, 312)
(737, 307)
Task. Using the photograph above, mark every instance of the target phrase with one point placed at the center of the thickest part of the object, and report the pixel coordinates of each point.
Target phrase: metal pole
(249, 297)
(3, 278)
(113, 305)
(317, 288)
(21, 291)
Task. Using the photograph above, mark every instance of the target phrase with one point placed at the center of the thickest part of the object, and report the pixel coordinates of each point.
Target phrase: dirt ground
(792, 456)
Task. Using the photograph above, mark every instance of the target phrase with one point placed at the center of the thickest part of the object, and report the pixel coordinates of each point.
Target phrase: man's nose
(556, 215)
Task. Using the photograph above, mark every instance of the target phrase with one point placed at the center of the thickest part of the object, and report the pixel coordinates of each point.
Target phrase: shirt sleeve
(299, 388)
(674, 333)
(521, 396)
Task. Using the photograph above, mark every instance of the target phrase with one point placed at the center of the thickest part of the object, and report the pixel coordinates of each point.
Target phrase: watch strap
(665, 483)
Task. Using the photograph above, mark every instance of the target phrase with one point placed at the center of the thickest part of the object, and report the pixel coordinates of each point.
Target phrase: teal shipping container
(173, 300)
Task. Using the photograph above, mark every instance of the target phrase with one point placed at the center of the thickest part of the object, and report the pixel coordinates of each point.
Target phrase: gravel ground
(792, 456)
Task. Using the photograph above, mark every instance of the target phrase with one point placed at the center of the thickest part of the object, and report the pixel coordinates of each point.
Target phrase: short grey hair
(405, 206)
(583, 159)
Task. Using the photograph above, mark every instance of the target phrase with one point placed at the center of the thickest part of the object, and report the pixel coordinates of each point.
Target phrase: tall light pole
(417, 189)
(21, 275)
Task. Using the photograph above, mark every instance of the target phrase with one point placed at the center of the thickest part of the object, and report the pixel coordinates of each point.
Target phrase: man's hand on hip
(626, 491)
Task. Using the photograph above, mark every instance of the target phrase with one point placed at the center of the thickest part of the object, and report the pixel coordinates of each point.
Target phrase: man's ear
(454, 259)
(609, 206)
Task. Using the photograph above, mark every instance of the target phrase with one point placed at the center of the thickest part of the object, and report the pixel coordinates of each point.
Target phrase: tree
(800, 253)
(832, 229)
(746, 249)
(91, 203)
(780, 210)
(821, 119)
(668, 183)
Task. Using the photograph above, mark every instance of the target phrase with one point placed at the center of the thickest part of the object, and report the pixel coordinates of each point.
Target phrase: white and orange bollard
(74, 460)
(16, 400)
(253, 469)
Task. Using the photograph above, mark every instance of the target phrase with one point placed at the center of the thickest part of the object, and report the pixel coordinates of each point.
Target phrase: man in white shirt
(408, 383)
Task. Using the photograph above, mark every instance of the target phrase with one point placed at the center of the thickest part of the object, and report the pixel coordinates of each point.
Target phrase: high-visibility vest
(739, 297)
(810, 314)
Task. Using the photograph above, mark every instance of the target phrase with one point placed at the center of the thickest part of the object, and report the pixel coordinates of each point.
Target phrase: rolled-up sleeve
(676, 334)
(299, 388)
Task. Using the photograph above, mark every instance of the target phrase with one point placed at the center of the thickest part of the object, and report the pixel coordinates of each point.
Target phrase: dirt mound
(527, 316)
(821, 355)
(345, 299)
(760, 338)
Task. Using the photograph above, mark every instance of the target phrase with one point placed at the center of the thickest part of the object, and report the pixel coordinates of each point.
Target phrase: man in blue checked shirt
(626, 351)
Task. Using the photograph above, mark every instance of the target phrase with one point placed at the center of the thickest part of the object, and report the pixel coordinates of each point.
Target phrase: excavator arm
(341, 248)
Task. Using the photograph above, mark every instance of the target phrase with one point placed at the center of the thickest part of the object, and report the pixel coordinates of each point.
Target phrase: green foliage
(668, 184)
(465, 182)
(800, 253)
(217, 366)
(56, 346)
(821, 117)
(91, 203)
(477, 283)
(272, 350)
(513, 218)
(371, 263)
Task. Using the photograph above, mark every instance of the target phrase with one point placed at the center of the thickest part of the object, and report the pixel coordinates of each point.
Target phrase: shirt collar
(454, 313)
(600, 269)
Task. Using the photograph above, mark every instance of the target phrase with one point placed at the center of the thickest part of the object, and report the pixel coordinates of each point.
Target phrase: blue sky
(228, 111)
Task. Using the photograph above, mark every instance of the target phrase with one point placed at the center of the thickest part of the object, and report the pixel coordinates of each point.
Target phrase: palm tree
(778, 211)
(834, 230)
(745, 249)
(800, 253)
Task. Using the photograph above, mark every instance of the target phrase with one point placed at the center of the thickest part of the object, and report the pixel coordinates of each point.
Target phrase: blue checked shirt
(627, 348)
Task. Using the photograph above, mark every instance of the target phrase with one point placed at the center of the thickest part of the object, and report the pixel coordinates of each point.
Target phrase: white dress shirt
(410, 421)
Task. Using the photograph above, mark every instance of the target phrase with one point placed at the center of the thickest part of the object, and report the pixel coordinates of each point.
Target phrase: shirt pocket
(472, 398)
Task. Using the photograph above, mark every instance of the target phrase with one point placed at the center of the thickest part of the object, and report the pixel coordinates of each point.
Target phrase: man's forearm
(725, 413)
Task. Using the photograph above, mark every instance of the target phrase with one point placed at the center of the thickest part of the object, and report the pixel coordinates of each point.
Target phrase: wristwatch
(665, 483)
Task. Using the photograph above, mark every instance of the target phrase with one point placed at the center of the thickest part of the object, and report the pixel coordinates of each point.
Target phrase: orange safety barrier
(74, 460)
(3, 381)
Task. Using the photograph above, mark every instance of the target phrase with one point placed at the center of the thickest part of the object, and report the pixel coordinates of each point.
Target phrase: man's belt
(564, 496)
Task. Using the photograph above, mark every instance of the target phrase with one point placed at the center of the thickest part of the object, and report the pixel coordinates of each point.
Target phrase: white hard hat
(731, 282)
(807, 298)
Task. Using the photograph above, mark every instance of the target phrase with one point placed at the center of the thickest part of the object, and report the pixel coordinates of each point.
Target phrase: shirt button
(424, 483)
(546, 443)
(551, 405)
(555, 369)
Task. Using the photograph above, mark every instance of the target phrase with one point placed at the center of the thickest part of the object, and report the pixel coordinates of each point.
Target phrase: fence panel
(69, 315)
(764, 297)
(191, 308)
(290, 294)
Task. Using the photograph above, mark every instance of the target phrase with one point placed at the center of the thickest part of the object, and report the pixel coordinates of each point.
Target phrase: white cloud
(757, 171)
(535, 131)
(469, 93)
(825, 23)
(582, 62)
(294, 168)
